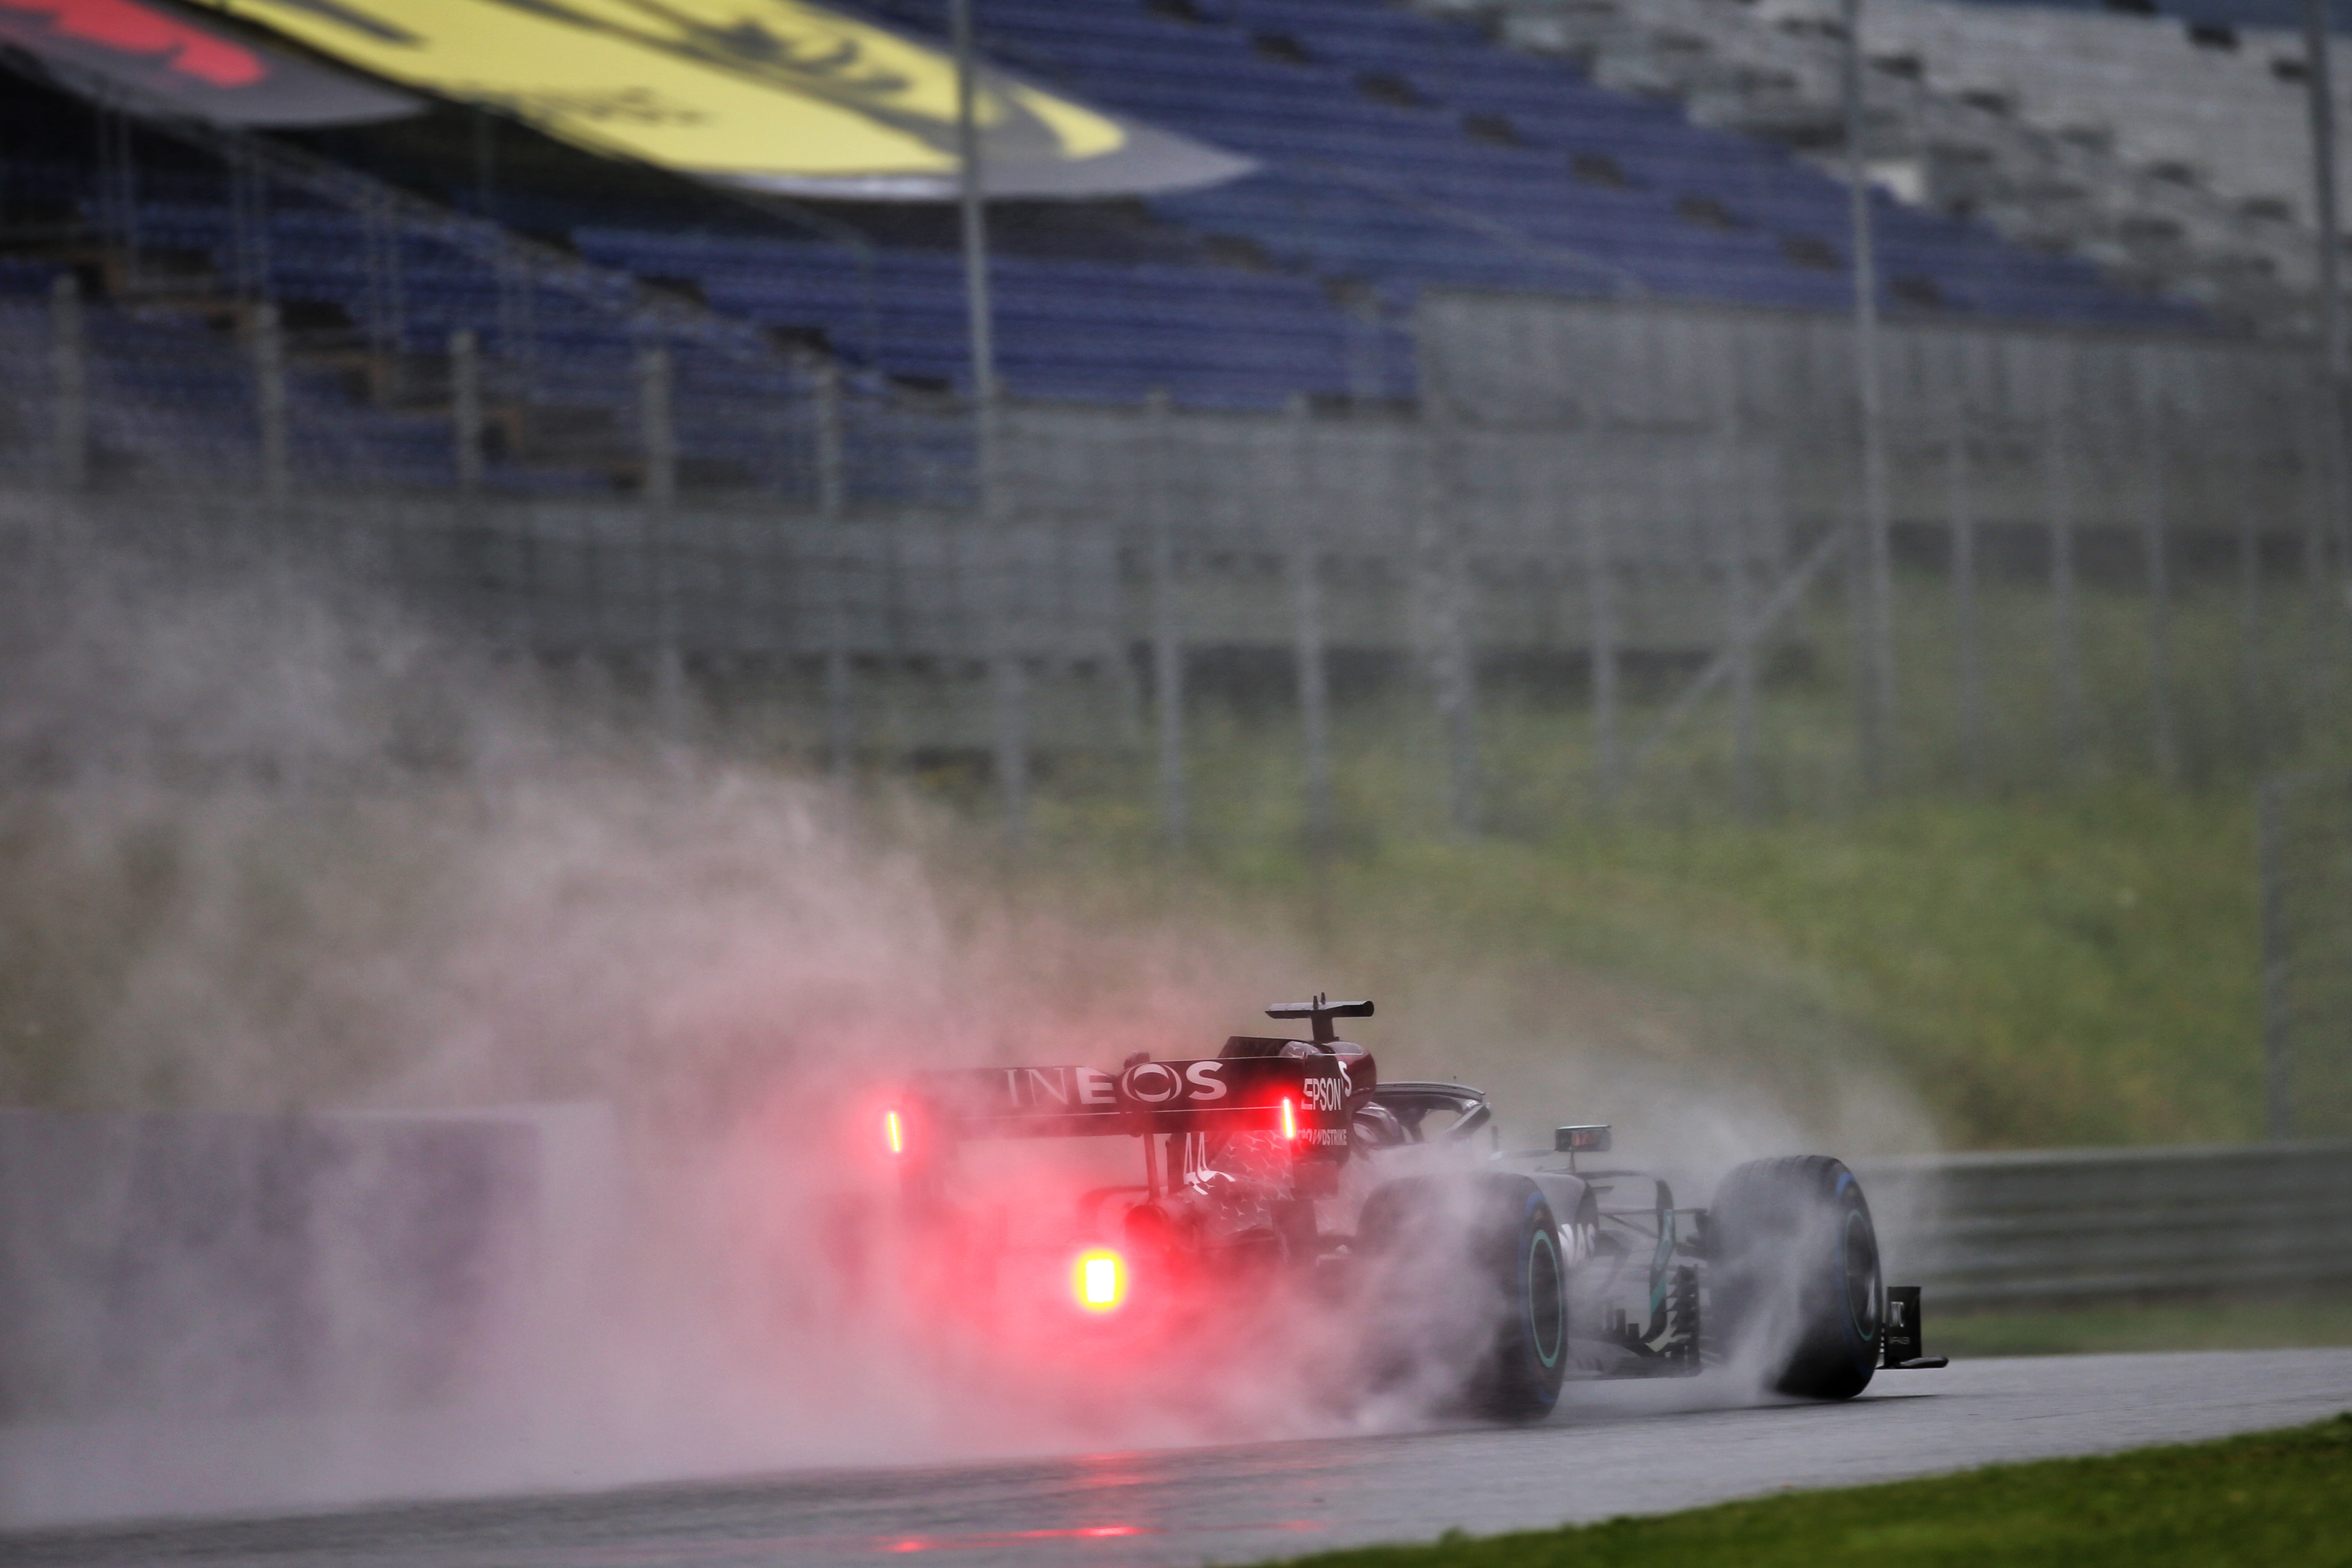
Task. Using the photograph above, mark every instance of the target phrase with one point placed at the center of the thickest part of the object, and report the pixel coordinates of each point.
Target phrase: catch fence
(2306, 917)
(1637, 527)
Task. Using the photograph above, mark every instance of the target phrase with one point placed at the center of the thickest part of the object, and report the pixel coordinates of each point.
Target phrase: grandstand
(2169, 146)
(1522, 342)
(1400, 154)
(2276, 16)
(1408, 153)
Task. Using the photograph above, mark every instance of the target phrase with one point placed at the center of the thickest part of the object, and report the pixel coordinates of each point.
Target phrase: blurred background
(1756, 550)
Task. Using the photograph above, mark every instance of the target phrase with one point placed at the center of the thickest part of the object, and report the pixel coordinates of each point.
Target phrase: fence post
(2058, 482)
(517, 320)
(1367, 375)
(1733, 540)
(250, 221)
(118, 192)
(1961, 499)
(466, 407)
(1009, 685)
(1871, 570)
(1001, 576)
(1314, 682)
(70, 377)
(823, 374)
(2319, 97)
(840, 704)
(269, 391)
(2320, 608)
(2255, 728)
(830, 437)
(1600, 615)
(2153, 454)
(387, 290)
(1167, 635)
(1008, 680)
(657, 444)
(2278, 1022)
(657, 429)
(1443, 572)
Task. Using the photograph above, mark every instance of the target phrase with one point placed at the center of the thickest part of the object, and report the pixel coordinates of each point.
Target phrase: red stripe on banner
(134, 29)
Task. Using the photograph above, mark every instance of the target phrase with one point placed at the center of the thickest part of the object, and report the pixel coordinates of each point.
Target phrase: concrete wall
(232, 1264)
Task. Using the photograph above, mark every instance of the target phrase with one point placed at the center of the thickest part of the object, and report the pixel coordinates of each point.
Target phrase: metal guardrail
(2305, 824)
(2087, 1224)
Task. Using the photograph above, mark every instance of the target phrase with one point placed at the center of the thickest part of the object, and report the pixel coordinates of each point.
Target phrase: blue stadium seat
(1376, 183)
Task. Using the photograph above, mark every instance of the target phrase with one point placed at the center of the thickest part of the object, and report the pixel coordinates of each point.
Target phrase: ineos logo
(1151, 1083)
(1167, 1083)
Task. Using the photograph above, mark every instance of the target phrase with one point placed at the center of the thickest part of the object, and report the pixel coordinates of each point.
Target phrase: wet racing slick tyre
(1796, 1276)
(1469, 1281)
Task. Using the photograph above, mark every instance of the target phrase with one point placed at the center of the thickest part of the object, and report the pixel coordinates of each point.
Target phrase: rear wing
(1303, 1098)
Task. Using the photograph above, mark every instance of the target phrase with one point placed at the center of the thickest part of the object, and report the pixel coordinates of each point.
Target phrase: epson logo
(1325, 1094)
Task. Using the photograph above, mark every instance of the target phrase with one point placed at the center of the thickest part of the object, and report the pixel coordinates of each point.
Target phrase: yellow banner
(764, 92)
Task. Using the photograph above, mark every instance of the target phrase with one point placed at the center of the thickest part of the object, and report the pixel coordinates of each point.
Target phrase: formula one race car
(1285, 1168)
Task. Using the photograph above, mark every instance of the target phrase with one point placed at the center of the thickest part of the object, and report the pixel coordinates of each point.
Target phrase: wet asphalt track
(1613, 1448)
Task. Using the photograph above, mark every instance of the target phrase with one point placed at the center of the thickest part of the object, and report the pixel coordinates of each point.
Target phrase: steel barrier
(2042, 1226)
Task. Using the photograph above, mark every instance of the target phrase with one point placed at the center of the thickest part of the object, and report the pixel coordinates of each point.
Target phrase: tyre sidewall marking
(1539, 1234)
(1541, 1237)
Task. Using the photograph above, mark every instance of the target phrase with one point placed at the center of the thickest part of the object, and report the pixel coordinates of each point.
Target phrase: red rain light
(1008, 1538)
(894, 1132)
(1099, 1280)
(1289, 1118)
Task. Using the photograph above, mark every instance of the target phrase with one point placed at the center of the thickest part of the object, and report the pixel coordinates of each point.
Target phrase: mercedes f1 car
(1493, 1275)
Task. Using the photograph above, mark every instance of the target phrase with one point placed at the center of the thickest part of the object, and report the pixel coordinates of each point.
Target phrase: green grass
(2290, 1323)
(2040, 972)
(2274, 1498)
(2073, 968)
(2053, 956)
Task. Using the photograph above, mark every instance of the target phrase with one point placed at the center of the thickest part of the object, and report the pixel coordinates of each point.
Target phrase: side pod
(1903, 1337)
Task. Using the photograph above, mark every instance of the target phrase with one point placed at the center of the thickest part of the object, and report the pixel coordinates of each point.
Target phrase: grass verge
(2252, 1325)
(2078, 968)
(2269, 1497)
(2042, 952)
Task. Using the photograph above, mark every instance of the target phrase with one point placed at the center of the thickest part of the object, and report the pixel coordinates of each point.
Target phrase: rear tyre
(1471, 1280)
(1796, 1275)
